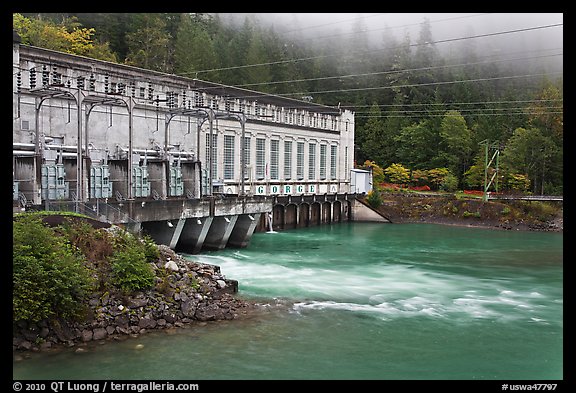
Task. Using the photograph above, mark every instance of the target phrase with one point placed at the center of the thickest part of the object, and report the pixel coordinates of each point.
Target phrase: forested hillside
(416, 105)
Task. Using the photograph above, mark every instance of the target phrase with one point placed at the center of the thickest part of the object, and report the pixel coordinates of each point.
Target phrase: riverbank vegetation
(57, 268)
(460, 208)
(76, 280)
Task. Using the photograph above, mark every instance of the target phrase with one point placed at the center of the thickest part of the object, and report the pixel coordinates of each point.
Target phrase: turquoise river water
(360, 301)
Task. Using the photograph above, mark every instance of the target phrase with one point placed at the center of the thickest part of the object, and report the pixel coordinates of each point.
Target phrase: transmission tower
(488, 148)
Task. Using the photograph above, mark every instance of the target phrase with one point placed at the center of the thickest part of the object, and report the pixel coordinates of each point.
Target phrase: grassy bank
(460, 209)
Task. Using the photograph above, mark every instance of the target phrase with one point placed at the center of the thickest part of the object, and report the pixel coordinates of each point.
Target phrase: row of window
(53, 75)
(327, 165)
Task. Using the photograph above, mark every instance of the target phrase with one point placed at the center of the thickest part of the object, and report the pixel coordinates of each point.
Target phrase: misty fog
(500, 35)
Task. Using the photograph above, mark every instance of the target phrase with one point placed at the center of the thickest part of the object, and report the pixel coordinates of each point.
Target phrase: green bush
(130, 271)
(49, 276)
(130, 268)
(471, 214)
(374, 198)
(151, 251)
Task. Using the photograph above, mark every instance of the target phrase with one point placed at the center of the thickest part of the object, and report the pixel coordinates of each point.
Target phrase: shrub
(397, 173)
(450, 183)
(130, 268)
(49, 276)
(130, 271)
(374, 198)
(151, 251)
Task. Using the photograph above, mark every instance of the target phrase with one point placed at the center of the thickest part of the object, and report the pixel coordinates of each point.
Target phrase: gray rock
(137, 302)
(87, 335)
(147, 323)
(171, 265)
(188, 308)
(122, 320)
(208, 312)
(99, 333)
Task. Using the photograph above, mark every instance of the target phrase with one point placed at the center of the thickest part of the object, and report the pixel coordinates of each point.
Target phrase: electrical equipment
(54, 185)
(100, 186)
(176, 187)
(140, 183)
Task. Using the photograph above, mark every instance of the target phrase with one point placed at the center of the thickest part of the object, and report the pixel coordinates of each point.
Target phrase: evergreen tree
(373, 144)
(148, 42)
(530, 152)
(455, 142)
(256, 55)
(194, 50)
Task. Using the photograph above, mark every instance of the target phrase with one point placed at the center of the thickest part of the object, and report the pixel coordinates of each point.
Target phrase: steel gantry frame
(487, 163)
(90, 101)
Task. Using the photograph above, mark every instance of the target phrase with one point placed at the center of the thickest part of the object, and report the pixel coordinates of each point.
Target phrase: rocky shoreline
(185, 292)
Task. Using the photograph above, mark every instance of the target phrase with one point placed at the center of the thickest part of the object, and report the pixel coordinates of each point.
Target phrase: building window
(274, 147)
(229, 157)
(198, 99)
(333, 161)
(346, 162)
(287, 160)
(260, 158)
(214, 154)
(300, 160)
(312, 161)
(246, 153)
(322, 162)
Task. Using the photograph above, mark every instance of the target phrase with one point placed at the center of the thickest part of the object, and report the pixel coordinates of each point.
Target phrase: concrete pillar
(243, 230)
(220, 231)
(193, 234)
(160, 231)
(205, 225)
(177, 232)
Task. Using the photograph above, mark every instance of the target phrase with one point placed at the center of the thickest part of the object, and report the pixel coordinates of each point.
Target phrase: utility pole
(487, 163)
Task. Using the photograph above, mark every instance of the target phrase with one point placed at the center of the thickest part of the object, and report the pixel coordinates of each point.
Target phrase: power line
(396, 71)
(331, 23)
(400, 26)
(372, 51)
(456, 103)
(469, 114)
(458, 110)
(412, 85)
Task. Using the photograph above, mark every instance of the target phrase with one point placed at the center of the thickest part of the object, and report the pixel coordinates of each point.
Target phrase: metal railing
(99, 210)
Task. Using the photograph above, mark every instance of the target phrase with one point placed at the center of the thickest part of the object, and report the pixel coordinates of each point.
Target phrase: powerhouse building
(92, 132)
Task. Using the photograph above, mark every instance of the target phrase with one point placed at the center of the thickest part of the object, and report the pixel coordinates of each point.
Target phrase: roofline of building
(211, 87)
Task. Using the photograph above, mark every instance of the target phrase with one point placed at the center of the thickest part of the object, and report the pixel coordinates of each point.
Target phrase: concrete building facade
(121, 139)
